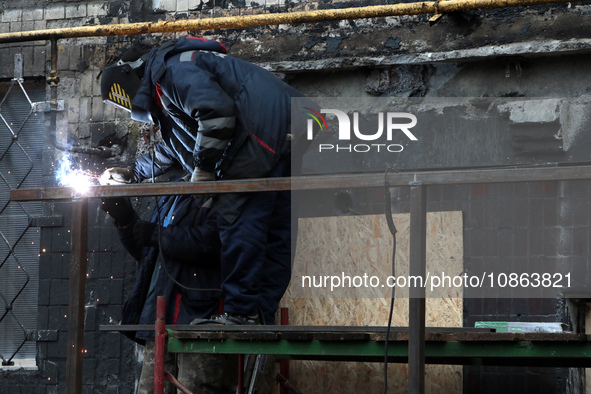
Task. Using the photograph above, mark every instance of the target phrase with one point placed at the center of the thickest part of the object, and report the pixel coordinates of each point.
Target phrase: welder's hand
(117, 176)
(119, 209)
(145, 233)
(202, 176)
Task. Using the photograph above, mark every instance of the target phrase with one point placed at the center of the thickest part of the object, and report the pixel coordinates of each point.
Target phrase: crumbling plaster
(380, 42)
(410, 39)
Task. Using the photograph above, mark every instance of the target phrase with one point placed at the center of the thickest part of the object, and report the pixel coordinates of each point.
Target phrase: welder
(178, 253)
(224, 118)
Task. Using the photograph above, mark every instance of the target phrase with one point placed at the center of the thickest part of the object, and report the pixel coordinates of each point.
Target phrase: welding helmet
(121, 80)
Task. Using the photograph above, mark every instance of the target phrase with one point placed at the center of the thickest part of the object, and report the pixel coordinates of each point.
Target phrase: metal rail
(217, 331)
(426, 7)
(316, 182)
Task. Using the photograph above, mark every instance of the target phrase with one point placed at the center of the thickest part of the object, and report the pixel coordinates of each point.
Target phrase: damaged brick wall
(474, 54)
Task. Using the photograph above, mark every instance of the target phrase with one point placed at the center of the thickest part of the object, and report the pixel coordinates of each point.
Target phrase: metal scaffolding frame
(443, 345)
(416, 180)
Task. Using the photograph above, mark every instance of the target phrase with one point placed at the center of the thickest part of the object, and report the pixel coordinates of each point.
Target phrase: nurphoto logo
(391, 126)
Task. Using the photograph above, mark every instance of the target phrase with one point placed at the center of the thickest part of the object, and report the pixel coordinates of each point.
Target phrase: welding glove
(200, 175)
(146, 233)
(119, 209)
(117, 176)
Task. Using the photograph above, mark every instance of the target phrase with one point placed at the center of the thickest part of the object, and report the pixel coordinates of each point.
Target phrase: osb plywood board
(350, 246)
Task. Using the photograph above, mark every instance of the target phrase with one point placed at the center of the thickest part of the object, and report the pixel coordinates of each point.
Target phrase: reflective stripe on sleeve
(227, 122)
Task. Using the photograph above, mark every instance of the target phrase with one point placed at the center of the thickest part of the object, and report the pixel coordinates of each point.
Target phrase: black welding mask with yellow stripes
(120, 82)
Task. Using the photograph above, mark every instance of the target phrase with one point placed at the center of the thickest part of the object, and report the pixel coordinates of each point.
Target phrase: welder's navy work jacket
(190, 253)
(217, 112)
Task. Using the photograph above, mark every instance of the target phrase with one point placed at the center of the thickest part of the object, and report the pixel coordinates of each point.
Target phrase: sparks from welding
(68, 175)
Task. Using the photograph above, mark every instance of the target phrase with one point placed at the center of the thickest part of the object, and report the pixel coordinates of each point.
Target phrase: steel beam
(318, 182)
(444, 345)
(508, 351)
(181, 330)
(79, 231)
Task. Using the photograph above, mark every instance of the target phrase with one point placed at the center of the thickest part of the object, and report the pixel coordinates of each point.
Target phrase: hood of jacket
(144, 107)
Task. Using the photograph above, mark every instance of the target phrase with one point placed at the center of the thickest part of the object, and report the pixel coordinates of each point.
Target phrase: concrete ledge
(524, 49)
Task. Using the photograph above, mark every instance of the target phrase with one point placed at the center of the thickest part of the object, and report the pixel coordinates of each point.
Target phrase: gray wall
(523, 52)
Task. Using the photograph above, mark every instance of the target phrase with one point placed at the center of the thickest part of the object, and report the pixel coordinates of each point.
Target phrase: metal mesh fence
(21, 143)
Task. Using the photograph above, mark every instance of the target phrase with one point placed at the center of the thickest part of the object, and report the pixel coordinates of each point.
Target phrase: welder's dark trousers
(257, 251)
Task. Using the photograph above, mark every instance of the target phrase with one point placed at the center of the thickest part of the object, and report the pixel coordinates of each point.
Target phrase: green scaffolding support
(460, 347)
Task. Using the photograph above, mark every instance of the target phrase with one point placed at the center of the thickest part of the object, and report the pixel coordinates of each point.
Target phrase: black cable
(393, 231)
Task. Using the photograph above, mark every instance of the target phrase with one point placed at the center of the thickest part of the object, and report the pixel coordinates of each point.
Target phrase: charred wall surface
(520, 52)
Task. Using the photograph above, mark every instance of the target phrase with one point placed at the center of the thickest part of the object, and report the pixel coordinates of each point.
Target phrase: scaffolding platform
(460, 346)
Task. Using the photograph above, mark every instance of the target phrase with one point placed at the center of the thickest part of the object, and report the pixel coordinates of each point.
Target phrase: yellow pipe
(428, 7)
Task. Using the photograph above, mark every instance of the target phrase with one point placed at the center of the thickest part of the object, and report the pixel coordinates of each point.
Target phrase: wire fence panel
(21, 146)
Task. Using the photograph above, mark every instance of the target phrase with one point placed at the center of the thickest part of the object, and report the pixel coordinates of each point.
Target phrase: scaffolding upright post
(284, 364)
(159, 345)
(79, 232)
(418, 258)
